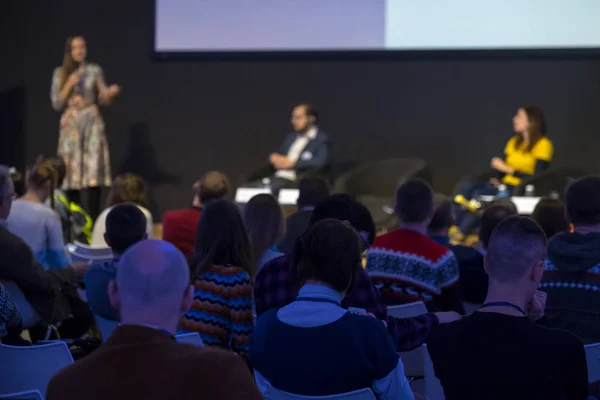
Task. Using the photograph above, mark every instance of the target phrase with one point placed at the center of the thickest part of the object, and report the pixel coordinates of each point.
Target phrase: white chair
(85, 253)
(31, 367)
(407, 310)
(28, 395)
(592, 355)
(412, 360)
(105, 326)
(433, 387)
(362, 394)
(190, 338)
(29, 316)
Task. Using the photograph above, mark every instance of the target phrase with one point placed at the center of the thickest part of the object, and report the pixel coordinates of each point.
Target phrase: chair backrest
(29, 316)
(592, 355)
(31, 367)
(433, 387)
(84, 253)
(362, 394)
(105, 326)
(27, 395)
(190, 338)
(407, 310)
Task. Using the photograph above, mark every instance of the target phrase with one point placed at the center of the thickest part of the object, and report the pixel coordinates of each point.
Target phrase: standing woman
(77, 88)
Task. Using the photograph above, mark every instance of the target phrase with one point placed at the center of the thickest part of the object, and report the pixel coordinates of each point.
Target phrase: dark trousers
(466, 220)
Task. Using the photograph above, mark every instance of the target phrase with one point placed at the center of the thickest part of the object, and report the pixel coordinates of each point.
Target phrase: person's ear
(485, 265)
(188, 298)
(113, 295)
(107, 239)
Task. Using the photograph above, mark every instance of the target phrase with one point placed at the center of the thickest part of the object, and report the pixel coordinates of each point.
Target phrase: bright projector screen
(376, 25)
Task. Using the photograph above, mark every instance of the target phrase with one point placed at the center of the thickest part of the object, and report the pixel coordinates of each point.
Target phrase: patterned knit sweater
(222, 309)
(407, 267)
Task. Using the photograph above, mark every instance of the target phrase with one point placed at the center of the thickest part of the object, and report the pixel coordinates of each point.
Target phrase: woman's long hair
(221, 239)
(537, 127)
(42, 174)
(128, 188)
(68, 64)
(265, 223)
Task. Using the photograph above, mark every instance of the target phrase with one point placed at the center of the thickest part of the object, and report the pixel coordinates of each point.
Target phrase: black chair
(374, 184)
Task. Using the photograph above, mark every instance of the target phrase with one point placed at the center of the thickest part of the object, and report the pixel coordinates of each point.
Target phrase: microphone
(472, 205)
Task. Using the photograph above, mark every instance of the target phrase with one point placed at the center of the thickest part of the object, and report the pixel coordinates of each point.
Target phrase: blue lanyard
(503, 304)
(318, 300)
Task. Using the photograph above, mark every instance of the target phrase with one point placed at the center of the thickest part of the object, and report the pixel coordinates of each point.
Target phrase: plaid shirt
(274, 288)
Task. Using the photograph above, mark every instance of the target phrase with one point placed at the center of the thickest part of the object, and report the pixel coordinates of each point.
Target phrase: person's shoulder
(228, 273)
(94, 67)
(443, 334)
(511, 142)
(192, 357)
(556, 338)
(322, 135)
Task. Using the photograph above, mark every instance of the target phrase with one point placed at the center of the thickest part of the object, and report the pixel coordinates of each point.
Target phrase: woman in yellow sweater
(526, 154)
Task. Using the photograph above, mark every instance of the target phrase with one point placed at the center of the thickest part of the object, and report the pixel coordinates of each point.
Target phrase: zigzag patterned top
(222, 309)
(407, 267)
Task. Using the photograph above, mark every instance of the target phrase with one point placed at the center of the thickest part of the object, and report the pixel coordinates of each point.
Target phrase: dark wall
(175, 120)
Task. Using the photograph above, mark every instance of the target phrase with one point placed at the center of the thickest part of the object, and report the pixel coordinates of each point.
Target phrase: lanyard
(318, 300)
(503, 304)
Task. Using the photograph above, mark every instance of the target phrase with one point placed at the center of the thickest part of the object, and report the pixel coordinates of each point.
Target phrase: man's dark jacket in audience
(139, 362)
(275, 288)
(473, 278)
(296, 225)
(572, 281)
(49, 292)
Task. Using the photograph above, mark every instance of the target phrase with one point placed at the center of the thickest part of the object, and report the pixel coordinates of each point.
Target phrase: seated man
(306, 149)
(274, 286)
(125, 226)
(499, 352)
(406, 265)
(179, 226)
(333, 351)
(142, 360)
(51, 293)
(572, 273)
(312, 190)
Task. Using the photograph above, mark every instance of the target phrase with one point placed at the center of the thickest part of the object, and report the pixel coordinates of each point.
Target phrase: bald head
(152, 278)
(214, 185)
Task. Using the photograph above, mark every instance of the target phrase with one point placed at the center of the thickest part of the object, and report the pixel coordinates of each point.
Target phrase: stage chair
(374, 184)
(362, 394)
(31, 367)
(190, 338)
(27, 395)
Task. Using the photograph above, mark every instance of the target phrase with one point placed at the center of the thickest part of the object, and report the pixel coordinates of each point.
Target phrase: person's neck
(151, 321)
(526, 138)
(505, 293)
(415, 227)
(33, 196)
(304, 132)
(585, 229)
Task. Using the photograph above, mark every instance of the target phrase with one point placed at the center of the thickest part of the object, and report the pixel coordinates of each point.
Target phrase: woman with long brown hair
(77, 88)
(221, 272)
(266, 227)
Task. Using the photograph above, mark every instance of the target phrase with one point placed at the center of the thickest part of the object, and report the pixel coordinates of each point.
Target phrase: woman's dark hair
(40, 175)
(550, 214)
(221, 239)
(329, 252)
(128, 188)
(58, 163)
(265, 223)
(68, 65)
(537, 126)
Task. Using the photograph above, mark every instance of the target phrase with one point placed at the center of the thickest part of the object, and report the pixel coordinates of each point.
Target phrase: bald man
(502, 351)
(141, 360)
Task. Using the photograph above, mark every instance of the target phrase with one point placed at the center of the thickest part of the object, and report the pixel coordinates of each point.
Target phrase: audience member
(473, 279)
(179, 226)
(572, 274)
(312, 190)
(125, 226)
(51, 293)
(221, 273)
(334, 351)
(406, 265)
(76, 222)
(550, 214)
(142, 360)
(127, 188)
(499, 352)
(10, 318)
(36, 224)
(266, 226)
(276, 287)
